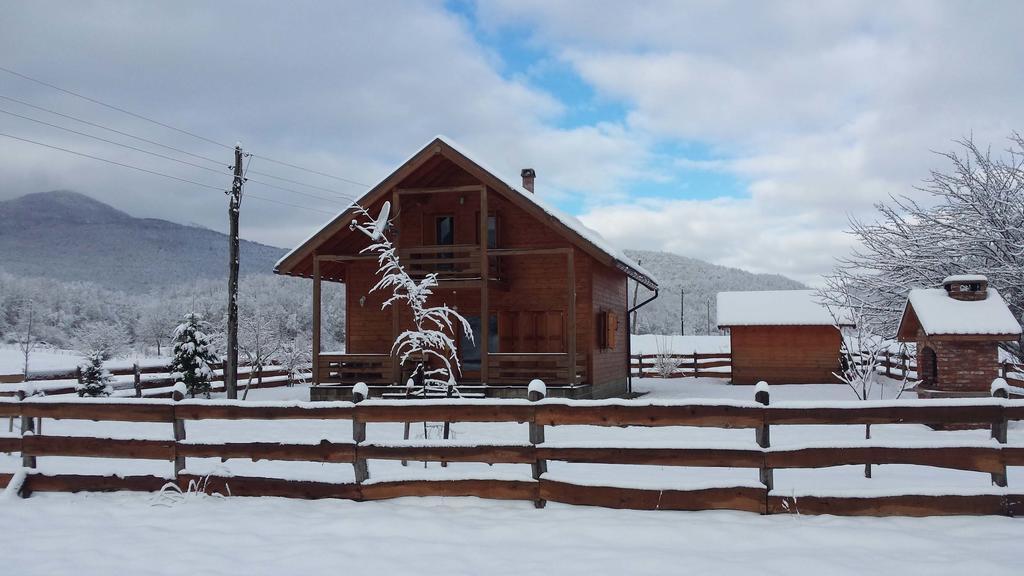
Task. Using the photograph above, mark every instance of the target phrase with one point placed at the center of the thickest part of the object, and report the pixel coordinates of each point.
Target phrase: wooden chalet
(549, 294)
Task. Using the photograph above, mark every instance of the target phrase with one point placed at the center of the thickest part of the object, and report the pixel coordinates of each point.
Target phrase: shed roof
(937, 314)
(773, 308)
(572, 228)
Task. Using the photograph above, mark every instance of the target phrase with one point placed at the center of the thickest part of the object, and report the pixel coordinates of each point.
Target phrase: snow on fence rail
(987, 457)
(147, 380)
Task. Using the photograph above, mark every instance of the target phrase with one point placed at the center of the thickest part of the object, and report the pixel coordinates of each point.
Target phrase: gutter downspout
(629, 341)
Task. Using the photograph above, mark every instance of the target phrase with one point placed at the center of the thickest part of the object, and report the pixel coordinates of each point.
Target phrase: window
(444, 230)
(607, 329)
(492, 230)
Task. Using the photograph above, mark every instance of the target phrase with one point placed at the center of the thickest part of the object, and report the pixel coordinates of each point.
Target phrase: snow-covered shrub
(96, 380)
(295, 357)
(666, 363)
(193, 356)
(430, 338)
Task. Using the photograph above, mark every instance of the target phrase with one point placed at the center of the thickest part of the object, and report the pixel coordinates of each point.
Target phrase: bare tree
(259, 339)
(971, 221)
(26, 334)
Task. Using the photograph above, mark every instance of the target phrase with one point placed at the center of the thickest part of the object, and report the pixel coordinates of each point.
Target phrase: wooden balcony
(455, 262)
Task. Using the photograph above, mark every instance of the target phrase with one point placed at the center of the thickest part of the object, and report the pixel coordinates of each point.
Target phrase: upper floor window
(445, 230)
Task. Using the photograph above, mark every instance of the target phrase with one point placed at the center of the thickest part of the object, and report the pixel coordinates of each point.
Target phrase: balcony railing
(374, 369)
(520, 369)
(456, 262)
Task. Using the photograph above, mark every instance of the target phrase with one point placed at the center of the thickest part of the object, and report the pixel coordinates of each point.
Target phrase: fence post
(137, 372)
(359, 393)
(640, 365)
(888, 363)
(27, 427)
(179, 431)
(999, 426)
(763, 434)
(695, 367)
(536, 391)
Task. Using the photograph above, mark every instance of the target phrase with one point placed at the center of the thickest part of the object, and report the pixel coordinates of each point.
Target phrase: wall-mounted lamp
(362, 301)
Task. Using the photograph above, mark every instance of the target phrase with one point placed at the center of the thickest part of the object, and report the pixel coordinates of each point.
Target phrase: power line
(102, 127)
(176, 129)
(128, 146)
(165, 157)
(310, 170)
(114, 162)
(292, 190)
(302, 184)
(155, 173)
(112, 107)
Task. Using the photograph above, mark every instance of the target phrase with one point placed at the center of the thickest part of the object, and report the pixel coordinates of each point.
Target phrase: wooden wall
(610, 366)
(784, 354)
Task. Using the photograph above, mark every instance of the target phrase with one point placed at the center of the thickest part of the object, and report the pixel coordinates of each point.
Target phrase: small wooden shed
(780, 336)
(957, 329)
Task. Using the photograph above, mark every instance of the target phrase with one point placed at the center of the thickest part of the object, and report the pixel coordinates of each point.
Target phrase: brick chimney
(966, 287)
(528, 174)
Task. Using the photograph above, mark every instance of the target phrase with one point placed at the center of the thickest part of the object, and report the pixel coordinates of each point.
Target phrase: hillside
(68, 236)
(700, 281)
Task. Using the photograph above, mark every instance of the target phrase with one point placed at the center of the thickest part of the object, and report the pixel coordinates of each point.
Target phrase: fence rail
(149, 381)
(987, 457)
(714, 365)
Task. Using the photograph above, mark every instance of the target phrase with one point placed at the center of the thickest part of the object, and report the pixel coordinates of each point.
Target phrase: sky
(741, 133)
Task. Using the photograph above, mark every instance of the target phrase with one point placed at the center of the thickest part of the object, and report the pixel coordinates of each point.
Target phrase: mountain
(69, 236)
(700, 281)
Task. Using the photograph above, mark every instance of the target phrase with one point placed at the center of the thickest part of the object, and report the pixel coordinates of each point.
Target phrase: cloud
(821, 110)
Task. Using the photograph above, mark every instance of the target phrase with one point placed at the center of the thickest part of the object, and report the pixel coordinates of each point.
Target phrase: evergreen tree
(95, 378)
(193, 356)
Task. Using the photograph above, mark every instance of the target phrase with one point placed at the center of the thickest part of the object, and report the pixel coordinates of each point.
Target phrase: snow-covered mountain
(700, 282)
(69, 236)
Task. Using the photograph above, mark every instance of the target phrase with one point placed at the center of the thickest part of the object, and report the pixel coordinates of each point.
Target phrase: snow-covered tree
(295, 357)
(971, 221)
(193, 356)
(103, 338)
(26, 335)
(95, 379)
(429, 340)
(156, 321)
(259, 337)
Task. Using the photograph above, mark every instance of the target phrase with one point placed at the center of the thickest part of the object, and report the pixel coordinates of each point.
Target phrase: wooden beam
(485, 272)
(396, 366)
(571, 328)
(316, 319)
(342, 258)
(439, 189)
(528, 251)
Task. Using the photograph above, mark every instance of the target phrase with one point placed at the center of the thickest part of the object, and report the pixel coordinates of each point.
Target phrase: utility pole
(709, 315)
(234, 204)
(682, 313)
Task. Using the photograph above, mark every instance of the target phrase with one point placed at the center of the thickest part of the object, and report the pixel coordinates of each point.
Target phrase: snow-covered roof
(964, 278)
(938, 313)
(627, 264)
(772, 308)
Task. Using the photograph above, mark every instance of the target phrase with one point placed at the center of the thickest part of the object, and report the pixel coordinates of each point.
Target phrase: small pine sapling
(193, 356)
(429, 339)
(95, 379)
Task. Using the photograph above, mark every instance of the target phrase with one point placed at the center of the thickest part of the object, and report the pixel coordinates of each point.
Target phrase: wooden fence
(986, 457)
(714, 365)
(148, 381)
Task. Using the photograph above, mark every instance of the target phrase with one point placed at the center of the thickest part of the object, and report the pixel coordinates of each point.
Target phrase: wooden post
(316, 319)
(27, 427)
(888, 363)
(999, 427)
(640, 366)
(696, 367)
(571, 328)
(137, 373)
(362, 472)
(396, 320)
(485, 274)
(179, 434)
(763, 434)
(537, 391)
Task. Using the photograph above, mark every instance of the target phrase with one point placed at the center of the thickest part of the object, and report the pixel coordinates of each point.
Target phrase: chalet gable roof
(570, 227)
(774, 308)
(936, 314)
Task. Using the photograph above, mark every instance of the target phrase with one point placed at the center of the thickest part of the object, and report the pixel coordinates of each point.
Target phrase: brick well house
(957, 329)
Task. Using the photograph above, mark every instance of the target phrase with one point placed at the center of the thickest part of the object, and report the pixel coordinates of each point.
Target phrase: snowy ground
(131, 534)
(677, 344)
(471, 536)
(12, 361)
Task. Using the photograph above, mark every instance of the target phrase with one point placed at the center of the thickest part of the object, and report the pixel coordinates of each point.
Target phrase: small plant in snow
(96, 380)
(429, 339)
(193, 356)
(666, 361)
(171, 494)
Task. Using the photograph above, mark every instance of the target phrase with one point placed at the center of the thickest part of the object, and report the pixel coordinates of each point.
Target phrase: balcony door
(469, 352)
